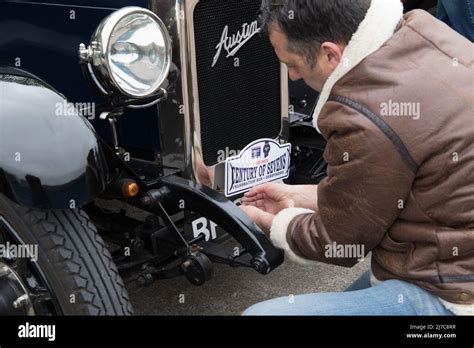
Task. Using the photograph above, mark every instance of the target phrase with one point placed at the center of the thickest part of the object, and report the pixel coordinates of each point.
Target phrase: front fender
(50, 157)
(210, 204)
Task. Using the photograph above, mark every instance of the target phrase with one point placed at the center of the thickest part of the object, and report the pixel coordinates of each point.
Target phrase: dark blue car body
(42, 37)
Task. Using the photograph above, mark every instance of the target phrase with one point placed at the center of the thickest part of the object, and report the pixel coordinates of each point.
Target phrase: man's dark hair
(309, 23)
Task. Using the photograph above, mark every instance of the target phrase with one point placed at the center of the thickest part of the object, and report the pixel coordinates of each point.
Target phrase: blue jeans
(391, 297)
(459, 15)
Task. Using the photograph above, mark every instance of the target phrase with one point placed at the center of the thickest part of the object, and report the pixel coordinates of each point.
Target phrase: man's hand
(270, 198)
(273, 197)
(262, 219)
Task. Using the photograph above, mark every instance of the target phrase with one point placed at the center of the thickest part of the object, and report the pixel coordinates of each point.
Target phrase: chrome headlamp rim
(100, 46)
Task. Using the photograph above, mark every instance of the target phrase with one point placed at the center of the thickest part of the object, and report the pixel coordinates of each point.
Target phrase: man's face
(326, 61)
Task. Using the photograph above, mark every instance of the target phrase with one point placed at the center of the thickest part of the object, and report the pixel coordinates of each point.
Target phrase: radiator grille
(239, 98)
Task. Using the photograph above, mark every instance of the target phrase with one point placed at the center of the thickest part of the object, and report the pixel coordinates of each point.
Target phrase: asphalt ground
(232, 290)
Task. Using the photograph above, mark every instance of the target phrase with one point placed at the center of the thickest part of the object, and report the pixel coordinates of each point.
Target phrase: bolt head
(4, 271)
(21, 301)
(84, 53)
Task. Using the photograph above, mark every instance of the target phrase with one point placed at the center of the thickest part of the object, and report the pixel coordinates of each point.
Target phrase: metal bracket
(209, 203)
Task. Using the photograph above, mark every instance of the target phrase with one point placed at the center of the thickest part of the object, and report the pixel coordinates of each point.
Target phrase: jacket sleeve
(367, 185)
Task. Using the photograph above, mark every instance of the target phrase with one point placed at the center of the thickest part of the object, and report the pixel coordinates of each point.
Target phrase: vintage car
(128, 131)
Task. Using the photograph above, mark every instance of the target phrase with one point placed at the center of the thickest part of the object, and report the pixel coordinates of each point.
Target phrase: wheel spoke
(40, 296)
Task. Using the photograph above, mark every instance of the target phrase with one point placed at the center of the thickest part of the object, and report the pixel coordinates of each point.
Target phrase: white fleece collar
(378, 26)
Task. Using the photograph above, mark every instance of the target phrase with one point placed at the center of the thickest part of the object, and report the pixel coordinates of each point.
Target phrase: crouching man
(396, 109)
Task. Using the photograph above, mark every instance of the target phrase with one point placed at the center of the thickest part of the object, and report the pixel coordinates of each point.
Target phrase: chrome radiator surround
(180, 114)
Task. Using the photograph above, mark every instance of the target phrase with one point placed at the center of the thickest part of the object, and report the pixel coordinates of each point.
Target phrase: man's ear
(331, 54)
